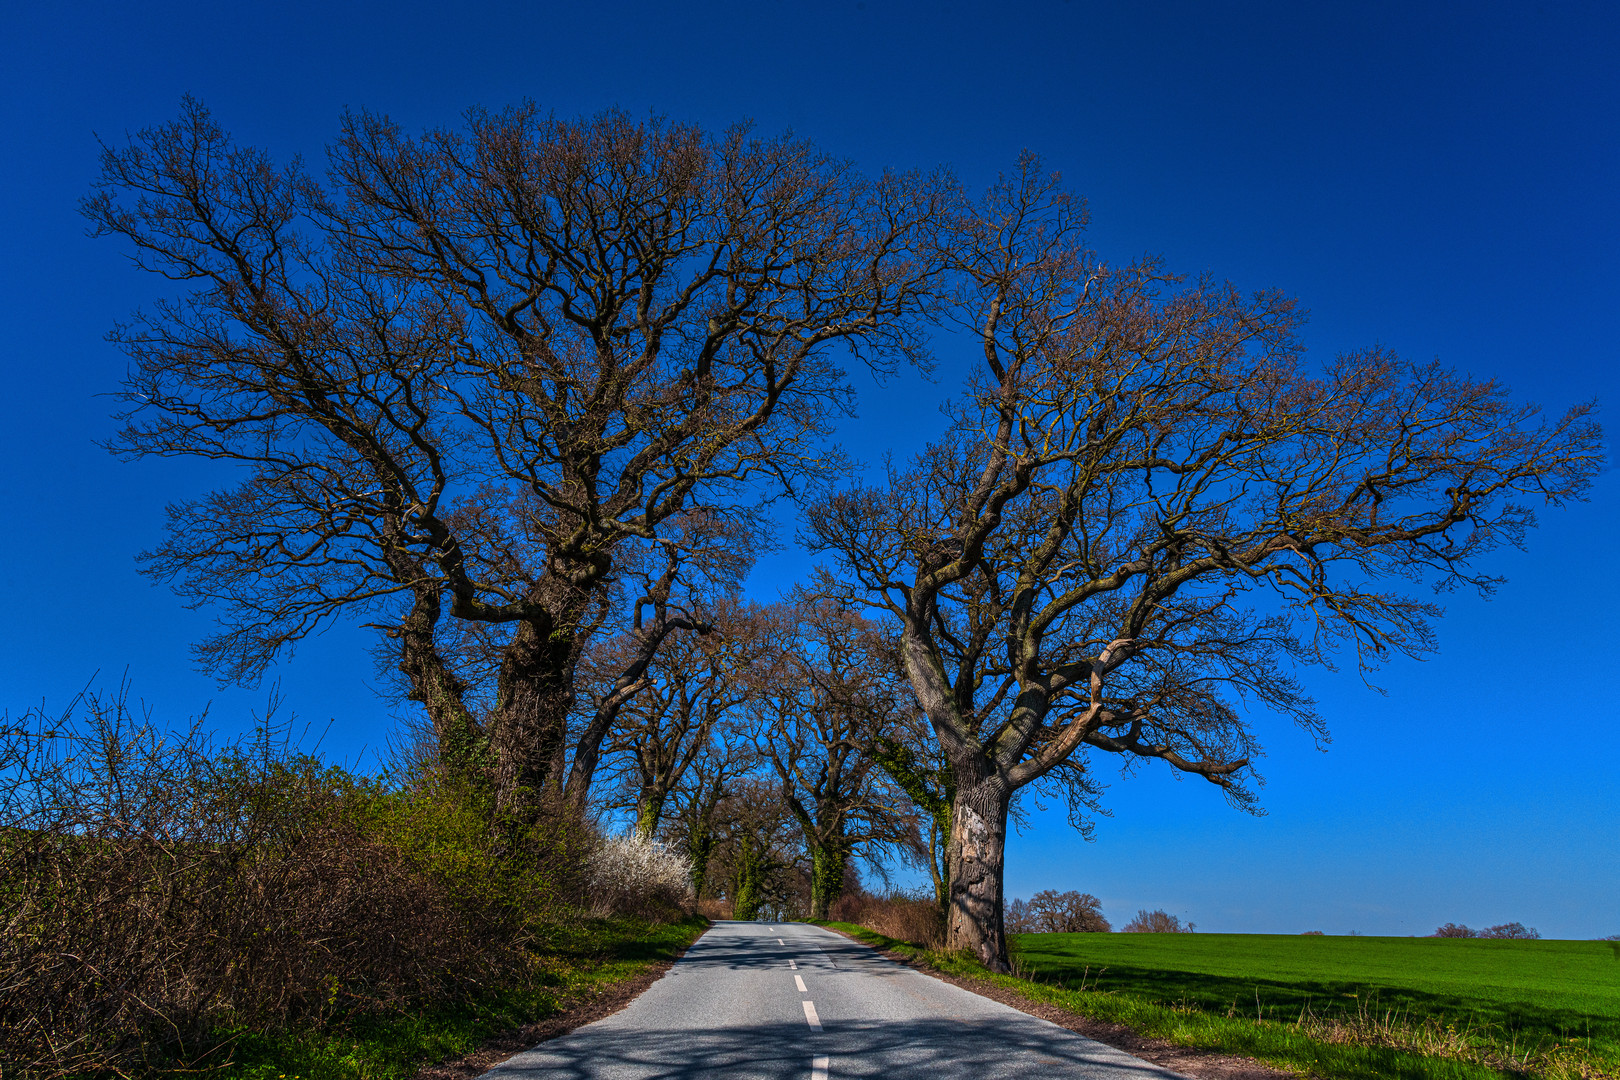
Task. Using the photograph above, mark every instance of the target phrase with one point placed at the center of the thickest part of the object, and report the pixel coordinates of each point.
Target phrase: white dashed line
(810, 1016)
(818, 1069)
(792, 966)
(799, 982)
(779, 941)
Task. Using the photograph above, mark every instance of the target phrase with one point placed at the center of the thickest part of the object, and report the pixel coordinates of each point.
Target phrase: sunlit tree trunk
(977, 857)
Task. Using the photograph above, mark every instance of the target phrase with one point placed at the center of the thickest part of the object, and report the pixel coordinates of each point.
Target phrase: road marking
(771, 929)
(810, 1016)
(792, 966)
(818, 1069)
(799, 981)
(779, 941)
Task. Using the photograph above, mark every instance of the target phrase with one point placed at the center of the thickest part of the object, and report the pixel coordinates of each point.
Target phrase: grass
(1337, 1008)
(579, 960)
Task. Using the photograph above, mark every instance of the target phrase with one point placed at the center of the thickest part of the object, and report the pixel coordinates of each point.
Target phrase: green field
(1562, 988)
(1515, 995)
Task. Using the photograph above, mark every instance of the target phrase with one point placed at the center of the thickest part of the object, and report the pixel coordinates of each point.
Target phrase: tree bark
(827, 864)
(978, 849)
(649, 810)
(529, 726)
(462, 743)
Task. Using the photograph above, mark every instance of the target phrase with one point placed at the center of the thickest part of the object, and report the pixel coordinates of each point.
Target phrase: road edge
(605, 1002)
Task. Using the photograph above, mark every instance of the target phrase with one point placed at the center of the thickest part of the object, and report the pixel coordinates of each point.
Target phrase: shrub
(1053, 912)
(637, 876)
(897, 915)
(156, 890)
(1313, 933)
(1156, 922)
(711, 907)
(1454, 930)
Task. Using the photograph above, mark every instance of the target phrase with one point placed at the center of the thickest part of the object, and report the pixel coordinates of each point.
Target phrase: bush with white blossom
(632, 875)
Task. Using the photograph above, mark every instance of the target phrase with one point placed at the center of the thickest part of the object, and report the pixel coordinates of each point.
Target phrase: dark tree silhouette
(471, 368)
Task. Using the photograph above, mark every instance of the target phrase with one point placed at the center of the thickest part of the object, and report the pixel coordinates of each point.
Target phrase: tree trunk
(699, 846)
(748, 894)
(649, 809)
(529, 725)
(462, 746)
(978, 849)
(827, 864)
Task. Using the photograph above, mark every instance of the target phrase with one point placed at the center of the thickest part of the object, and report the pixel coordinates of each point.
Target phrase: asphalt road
(754, 1000)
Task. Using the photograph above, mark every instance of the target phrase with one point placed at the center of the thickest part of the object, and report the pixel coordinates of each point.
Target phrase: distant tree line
(1502, 930)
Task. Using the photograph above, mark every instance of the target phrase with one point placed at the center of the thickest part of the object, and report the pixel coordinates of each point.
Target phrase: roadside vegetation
(1340, 1008)
(172, 905)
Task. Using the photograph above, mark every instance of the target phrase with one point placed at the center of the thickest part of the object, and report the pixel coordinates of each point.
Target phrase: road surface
(757, 1001)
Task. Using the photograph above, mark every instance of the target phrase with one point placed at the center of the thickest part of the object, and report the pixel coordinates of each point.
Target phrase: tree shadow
(1006, 1048)
(1284, 999)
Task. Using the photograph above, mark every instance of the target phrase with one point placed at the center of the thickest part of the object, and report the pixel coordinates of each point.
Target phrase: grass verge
(1359, 1043)
(580, 962)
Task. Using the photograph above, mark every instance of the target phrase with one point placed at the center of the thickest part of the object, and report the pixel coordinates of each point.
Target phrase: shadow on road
(912, 1050)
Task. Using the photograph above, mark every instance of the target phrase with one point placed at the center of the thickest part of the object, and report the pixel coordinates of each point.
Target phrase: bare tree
(467, 370)
(693, 689)
(620, 668)
(912, 758)
(1147, 508)
(759, 865)
(828, 698)
(1156, 922)
(1053, 912)
(693, 809)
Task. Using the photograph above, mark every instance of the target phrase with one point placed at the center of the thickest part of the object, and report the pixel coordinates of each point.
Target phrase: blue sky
(1441, 179)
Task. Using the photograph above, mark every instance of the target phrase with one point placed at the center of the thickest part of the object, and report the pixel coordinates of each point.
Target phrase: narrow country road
(753, 1000)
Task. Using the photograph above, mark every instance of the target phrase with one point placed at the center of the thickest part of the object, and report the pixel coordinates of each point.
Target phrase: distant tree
(690, 694)
(697, 824)
(825, 701)
(1071, 912)
(1156, 922)
(761, 868)
(1517, 931)
(466, 372)
(1313, 933)
(1454, 930)
(1018, 919)
(914, 761)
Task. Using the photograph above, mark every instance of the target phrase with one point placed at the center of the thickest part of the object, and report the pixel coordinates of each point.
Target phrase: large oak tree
(1149, 509)
(463, 370)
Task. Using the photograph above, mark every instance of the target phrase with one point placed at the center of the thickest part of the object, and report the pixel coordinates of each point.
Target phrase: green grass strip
(1283, 1043)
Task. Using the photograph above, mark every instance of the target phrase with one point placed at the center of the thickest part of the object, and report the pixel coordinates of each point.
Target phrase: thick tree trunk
(649, 809)
(827, 865)
(463, 748)
(529, 726)
(977, 857)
